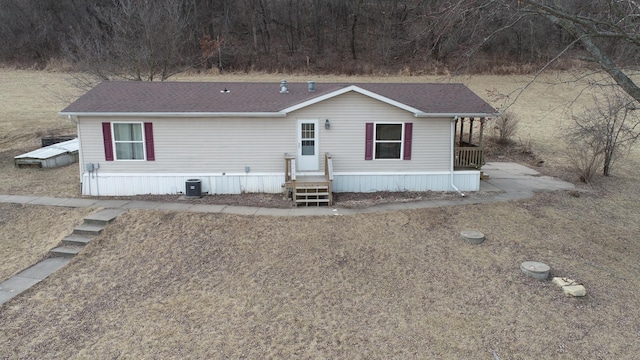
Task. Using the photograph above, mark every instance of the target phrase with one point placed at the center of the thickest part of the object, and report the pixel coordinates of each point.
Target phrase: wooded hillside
(153, 39)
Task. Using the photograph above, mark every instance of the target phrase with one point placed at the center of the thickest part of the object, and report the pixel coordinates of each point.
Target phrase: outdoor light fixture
(327, 124)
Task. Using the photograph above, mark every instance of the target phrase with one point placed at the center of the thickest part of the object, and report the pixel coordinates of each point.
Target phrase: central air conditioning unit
(193, 188)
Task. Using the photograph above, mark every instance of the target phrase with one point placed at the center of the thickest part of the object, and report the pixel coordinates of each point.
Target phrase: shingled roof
(245, 98)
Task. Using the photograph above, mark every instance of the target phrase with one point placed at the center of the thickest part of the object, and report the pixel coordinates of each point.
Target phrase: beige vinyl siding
(345, 140)
(201, 145)
(227, 145)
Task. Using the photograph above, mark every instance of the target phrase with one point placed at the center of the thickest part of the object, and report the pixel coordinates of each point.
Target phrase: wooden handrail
(328, 166)
(289, 167)
(328, 172)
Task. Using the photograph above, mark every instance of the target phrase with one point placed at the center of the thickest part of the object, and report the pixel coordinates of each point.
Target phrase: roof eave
(349, 88)
(453, 115)
(176, 114)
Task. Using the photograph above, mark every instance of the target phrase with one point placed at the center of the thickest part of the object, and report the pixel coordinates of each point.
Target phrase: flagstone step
(77, 240)
(103, 217)
(65, 251)
(88, 229)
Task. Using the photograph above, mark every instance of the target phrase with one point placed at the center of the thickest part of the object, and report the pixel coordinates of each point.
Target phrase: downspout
(453, 134)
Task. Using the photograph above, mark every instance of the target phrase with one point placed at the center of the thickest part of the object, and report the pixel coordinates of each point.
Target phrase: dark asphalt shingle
(207, 97)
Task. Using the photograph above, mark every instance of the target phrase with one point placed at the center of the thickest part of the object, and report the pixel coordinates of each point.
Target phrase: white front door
(307, 145)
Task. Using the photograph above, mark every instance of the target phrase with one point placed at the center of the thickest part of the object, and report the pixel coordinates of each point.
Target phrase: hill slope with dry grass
(401, 284)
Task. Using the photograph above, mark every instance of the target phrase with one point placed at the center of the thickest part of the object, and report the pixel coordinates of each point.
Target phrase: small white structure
(51, 156)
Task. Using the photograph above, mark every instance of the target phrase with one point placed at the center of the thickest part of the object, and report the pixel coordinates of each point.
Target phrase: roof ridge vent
(284, 89)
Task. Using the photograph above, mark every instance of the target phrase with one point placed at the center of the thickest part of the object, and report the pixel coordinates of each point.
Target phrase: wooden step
(313, 194)
(314, 188)
(312, 200)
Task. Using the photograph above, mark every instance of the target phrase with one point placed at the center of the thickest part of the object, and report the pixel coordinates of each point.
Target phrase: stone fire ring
(536, 270)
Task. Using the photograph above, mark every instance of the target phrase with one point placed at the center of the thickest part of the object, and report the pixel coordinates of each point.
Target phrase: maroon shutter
(148, 141)
(108, 143)
(408, 134)
(368, 149)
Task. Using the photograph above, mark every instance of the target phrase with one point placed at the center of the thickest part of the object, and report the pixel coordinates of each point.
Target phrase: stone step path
(83, 234)
(71, 245)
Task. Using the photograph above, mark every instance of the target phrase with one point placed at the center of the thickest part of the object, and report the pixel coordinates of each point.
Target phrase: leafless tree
(604, 131)
(134, 39)
(595, 25)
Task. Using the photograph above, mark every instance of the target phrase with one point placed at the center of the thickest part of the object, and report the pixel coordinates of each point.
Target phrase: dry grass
(61, 182)
(30, 102)
(28, 232)
(389, 285)
(386, 285)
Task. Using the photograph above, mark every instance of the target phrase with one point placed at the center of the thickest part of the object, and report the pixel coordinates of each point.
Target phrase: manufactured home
(308, 139)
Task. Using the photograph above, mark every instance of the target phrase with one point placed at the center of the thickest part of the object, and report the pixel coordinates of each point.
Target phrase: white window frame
(376, 141)
(114, 141)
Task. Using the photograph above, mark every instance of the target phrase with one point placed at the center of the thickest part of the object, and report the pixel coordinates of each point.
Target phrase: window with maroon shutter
(148, 141)
(108, 143)
(388, 141)
(368, 149)
(408, 136)
(128, 141)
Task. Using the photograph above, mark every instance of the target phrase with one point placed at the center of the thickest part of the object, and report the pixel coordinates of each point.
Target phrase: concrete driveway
(513, 177)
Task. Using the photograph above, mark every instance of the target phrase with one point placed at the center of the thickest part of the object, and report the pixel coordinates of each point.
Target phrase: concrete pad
(507, 169)
(240, 210)
(49, 201)
(273, 212)
(88, 228)
(135, 204)
(14, 286)
(104, 216)
(341, 211)
(173, 207)
(486, 185)
(18, 199)
(44, 268)
(312, 211)
(207, 208)
(5, 296)
(78, 202)
(109, 204)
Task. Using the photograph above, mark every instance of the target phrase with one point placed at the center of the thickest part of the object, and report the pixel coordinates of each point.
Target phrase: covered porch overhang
(468, 150)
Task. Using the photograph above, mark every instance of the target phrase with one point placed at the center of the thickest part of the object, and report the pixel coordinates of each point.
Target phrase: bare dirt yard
(374, 285)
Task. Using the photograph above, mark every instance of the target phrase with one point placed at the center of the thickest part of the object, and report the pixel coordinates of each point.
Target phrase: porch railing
(289, 168)
(328, 173)
(468, 157)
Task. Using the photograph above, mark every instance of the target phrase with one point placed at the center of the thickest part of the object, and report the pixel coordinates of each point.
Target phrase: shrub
(505, 127)
(585, 160)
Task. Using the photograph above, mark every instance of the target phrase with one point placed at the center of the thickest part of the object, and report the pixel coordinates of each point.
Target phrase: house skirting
(110, 184)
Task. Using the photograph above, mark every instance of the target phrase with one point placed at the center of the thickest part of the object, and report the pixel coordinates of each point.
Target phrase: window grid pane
(308, 131)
